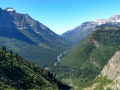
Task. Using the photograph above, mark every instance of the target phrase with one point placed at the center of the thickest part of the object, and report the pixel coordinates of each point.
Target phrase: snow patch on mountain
(37, 32)
(10, 9)
(114, 18)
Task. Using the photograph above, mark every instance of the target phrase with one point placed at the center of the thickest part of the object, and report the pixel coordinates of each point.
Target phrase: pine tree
(11, 53)
(4, 48)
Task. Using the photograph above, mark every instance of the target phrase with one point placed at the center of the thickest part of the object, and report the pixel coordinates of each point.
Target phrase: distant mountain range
(29, 37)
(78, 33)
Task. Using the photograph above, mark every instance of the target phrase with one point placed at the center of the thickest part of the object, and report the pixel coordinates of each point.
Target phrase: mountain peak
(116, 15)
(9, 9)
(0, 8)
(114, 18)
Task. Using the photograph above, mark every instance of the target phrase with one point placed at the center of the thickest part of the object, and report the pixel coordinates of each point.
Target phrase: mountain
(86, 59)
(109, 76)
(18, 73)
(30, 38)
(9, 30)
(114, 18)
(78, 33)
(36, 31)
(59, 34)
(82, 31)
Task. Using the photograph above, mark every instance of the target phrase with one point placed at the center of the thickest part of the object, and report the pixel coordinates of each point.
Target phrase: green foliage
(35, 53)
(4, 48)
(18, 73)
(102, 81)
(84, 61)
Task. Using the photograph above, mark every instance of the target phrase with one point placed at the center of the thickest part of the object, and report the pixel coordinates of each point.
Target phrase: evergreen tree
(4, 48)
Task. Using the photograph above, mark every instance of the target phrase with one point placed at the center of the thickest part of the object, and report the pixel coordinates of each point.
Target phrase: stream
(59, 56)
(58, 60)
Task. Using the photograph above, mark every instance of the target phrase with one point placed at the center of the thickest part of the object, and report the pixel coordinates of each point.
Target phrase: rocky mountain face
(8, 28)
(112, 73)
(114, 18)
(24, 21)
(6, 21)
(85, 28)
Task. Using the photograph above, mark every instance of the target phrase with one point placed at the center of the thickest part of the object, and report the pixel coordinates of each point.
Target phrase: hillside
(30, 38)
(18, 73)
(111, 73)
(84, 61)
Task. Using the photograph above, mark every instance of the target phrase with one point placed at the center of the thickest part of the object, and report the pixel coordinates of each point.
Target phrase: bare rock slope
(112, 72)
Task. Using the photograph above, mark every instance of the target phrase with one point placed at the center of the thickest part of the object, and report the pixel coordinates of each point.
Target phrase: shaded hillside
(85, 60)
(35, 53)
(18, 73)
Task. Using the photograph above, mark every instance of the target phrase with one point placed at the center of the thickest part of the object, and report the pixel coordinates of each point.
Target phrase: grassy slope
(99, 83)
(85, 60)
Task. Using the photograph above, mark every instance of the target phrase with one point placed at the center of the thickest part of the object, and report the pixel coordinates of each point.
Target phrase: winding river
(59, 56)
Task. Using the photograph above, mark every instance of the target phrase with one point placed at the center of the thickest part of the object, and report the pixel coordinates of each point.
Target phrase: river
(59, 56)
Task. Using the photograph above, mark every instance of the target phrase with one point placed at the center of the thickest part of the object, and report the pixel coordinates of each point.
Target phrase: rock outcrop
(112, 72)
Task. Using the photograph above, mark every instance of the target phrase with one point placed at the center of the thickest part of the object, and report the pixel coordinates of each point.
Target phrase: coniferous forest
(18, 73)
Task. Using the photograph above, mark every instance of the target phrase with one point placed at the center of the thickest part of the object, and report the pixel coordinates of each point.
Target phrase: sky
(63, 15)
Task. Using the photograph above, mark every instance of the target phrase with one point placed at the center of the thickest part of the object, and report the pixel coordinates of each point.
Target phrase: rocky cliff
(111, 72)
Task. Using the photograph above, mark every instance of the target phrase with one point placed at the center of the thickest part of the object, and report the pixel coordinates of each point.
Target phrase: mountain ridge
(25, 23)
(86, 27)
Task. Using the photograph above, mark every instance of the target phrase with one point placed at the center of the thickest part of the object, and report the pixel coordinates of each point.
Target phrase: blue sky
(63, 15)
